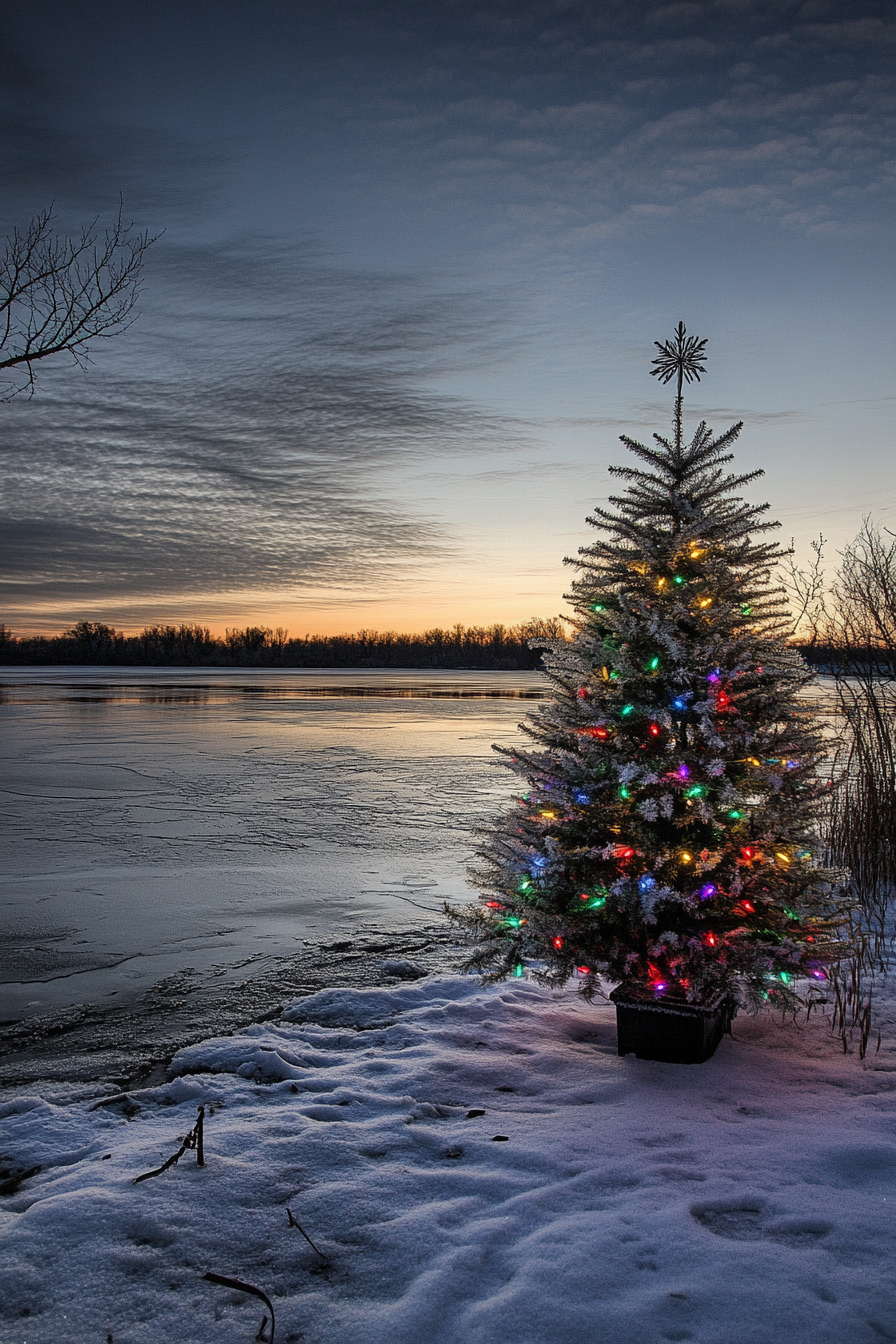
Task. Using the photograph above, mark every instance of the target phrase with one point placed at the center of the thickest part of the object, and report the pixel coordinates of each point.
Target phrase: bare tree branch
(59, 294)
(805, 589)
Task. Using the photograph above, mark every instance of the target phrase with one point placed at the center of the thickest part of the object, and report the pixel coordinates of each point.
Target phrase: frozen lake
(164, 818)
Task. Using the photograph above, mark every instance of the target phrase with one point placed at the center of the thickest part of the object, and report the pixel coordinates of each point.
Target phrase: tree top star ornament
(666, 835)
(679, 357)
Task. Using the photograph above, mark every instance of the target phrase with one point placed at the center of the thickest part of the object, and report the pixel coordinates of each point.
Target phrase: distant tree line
(493, 647)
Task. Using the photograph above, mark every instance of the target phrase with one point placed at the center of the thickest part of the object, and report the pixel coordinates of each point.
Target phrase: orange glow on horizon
(319, 615)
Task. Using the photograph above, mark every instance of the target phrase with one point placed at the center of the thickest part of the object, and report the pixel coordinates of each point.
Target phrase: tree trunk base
(670, 1030)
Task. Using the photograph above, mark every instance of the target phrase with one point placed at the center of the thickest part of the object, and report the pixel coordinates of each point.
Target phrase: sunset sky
(414, 259)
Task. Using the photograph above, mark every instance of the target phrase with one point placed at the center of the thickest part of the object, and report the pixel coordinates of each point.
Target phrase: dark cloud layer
(578, 120)
(254, 451)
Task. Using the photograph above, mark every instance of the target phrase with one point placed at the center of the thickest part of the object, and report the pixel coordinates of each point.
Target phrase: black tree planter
(669, 1029)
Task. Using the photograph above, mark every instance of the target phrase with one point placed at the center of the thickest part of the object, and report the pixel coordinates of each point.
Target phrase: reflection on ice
(164, 818)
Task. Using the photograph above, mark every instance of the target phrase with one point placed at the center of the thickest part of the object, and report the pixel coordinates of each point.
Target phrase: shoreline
(130, 1045)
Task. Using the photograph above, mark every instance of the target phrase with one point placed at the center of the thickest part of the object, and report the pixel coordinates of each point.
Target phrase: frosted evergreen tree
(667, 834)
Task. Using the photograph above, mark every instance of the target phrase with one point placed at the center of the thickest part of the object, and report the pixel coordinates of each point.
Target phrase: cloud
(246, 434)
(598, 119)
(54, 146)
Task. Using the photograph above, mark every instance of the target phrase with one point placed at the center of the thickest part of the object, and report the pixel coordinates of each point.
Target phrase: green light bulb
(735, 815)
(624, 793)
(627, 709)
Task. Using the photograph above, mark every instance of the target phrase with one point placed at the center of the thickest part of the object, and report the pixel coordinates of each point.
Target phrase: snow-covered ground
(477, 1166)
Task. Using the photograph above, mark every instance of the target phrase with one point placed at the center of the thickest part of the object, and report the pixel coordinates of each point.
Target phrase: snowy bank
(475, 1166)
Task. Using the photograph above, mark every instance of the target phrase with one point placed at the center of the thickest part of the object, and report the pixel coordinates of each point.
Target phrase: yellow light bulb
(706, 602)
(686, 858)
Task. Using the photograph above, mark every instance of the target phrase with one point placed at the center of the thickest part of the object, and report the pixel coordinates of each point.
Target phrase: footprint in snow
(752, 1220)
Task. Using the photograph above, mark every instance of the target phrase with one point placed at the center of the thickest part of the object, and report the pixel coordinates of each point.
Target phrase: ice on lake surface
(159, 818)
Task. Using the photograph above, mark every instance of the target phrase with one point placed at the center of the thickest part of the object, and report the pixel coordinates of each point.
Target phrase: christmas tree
(667, 835)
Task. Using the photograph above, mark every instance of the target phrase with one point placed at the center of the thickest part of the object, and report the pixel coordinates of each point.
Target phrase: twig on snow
(193, 1140)
(241, 1287)
(293, 1223)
